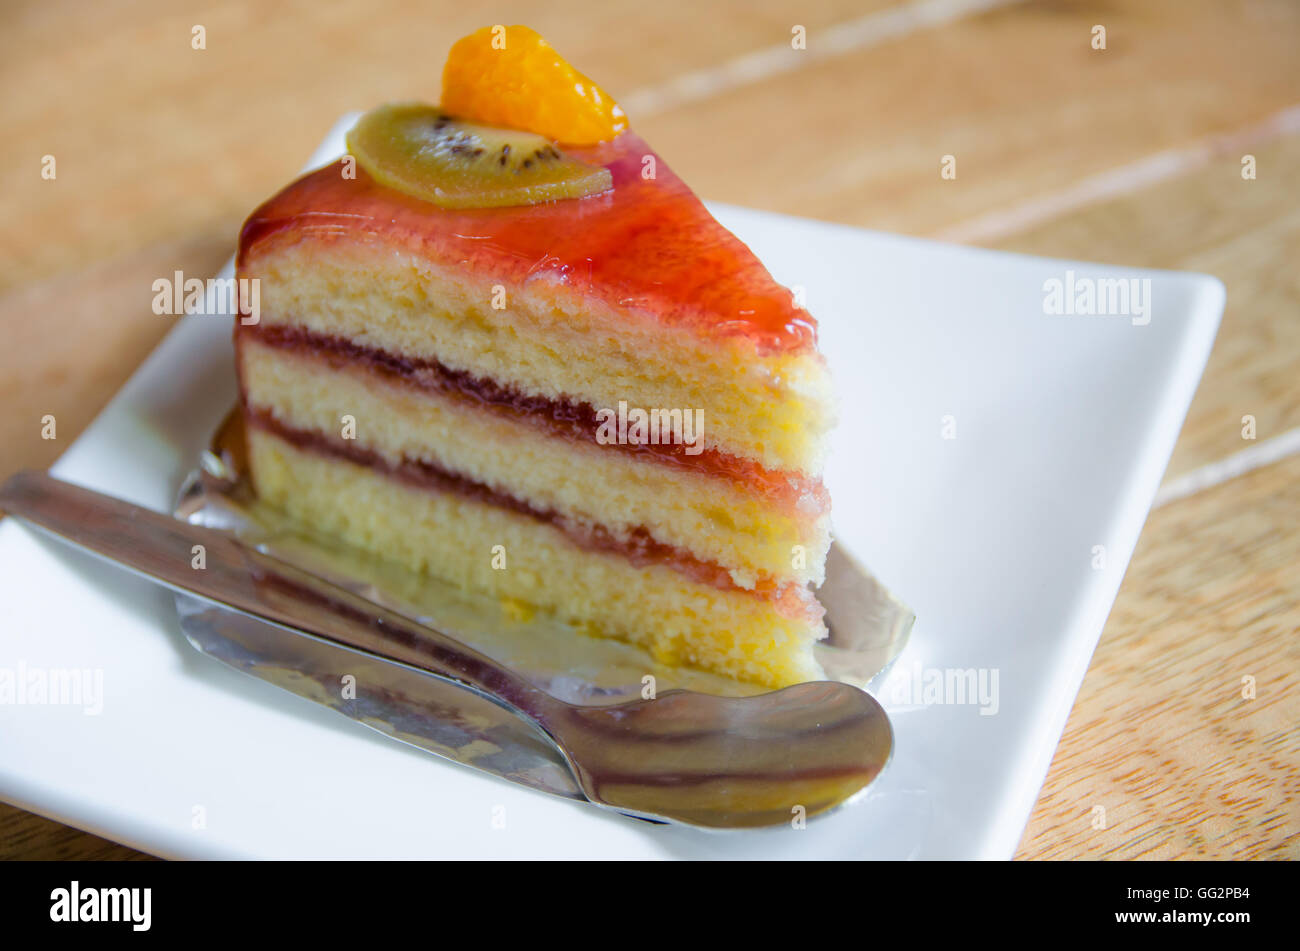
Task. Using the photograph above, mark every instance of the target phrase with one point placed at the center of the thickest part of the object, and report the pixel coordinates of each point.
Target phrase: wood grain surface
(1130, 155)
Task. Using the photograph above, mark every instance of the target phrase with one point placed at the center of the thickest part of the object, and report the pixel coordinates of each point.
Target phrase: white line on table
(867, 31)
(1122, 180)
(1239, 463)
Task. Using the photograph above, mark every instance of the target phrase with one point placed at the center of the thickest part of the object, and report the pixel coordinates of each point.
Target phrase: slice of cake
(502, 343)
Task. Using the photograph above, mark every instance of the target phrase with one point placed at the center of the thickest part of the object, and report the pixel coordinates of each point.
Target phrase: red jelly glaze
(565, 418)
(648, 245)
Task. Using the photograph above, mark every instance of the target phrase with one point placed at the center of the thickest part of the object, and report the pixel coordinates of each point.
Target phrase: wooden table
(1131, 154)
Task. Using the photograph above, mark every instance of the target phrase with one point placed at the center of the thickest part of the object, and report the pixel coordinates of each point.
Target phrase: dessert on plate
(502, 343)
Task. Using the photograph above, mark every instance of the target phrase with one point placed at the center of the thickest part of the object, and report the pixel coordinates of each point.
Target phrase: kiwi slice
(423, 151)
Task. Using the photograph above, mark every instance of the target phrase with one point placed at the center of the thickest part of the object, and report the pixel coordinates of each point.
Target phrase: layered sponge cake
(577, 392)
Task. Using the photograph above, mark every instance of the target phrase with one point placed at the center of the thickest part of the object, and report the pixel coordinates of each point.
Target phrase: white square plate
(986, 449)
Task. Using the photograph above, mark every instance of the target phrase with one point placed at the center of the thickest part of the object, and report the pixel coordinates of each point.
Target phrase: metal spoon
(723, 762)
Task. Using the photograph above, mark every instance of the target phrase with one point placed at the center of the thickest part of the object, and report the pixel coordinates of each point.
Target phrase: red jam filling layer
(640, 547)
(648, 245)
(565, 418)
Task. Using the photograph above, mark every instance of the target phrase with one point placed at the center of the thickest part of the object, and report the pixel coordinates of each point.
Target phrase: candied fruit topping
(424, 152)
(509, 76)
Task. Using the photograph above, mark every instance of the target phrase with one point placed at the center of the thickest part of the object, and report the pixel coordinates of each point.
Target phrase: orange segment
(509, 76)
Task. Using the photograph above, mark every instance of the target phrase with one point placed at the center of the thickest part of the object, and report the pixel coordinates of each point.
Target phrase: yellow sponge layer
(543, 339)
(714, 519)
(486, 548)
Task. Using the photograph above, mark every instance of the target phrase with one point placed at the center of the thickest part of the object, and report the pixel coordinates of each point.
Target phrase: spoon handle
(215, 567)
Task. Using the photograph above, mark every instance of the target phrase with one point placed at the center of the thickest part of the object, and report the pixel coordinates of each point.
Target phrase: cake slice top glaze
(648, 245)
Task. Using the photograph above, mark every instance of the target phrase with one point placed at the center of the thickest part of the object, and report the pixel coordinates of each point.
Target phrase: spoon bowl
(728, 762)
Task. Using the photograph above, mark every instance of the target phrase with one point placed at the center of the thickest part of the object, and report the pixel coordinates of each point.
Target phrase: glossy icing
(649, 245)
